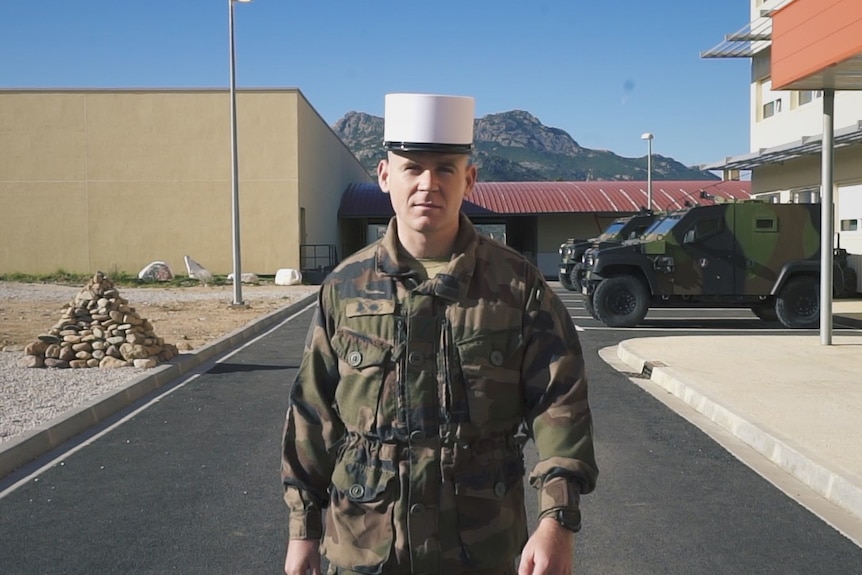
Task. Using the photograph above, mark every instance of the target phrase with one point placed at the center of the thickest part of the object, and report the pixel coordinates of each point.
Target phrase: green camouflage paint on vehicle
(751, 254)
(572, 250)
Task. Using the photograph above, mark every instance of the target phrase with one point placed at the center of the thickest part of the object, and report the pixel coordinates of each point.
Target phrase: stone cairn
(98, 329)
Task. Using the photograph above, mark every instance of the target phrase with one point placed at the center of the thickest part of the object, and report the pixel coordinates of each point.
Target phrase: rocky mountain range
(515, 146)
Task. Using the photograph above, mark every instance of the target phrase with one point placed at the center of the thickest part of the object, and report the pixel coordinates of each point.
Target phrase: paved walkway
(794, 400)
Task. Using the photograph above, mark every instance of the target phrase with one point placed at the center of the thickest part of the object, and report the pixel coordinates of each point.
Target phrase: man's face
(426, 189)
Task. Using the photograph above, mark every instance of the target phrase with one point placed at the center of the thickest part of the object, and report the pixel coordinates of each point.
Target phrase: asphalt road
(672, 500)
(188, 482)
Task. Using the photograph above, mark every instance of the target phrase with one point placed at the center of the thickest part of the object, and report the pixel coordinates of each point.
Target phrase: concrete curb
(842, 491)
(43, 439)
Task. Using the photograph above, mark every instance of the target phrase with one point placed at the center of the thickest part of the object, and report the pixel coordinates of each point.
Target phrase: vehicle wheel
(850, 281)
(588, 305)
(798, 304)
(621, 301)
(765, 311)
(564, 281)
(575, 276)
(839, 282)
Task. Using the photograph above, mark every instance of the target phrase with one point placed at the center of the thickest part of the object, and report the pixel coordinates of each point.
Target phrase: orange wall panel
(811, 35)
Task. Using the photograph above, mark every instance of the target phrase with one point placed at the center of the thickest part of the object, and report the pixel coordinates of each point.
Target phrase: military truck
(753, 254)
(618, 230)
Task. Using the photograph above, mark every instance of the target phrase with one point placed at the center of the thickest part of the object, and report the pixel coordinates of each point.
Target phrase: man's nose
(427, 181)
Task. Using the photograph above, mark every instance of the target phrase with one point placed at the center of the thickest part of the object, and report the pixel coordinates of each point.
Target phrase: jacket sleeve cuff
(305, 521)
(558, 493)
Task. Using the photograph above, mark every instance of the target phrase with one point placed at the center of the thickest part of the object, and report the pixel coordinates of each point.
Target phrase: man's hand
(303, 557)
(548, 551)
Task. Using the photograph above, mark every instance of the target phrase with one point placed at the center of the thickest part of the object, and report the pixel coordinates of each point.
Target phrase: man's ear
(471, 178)
(383, 175)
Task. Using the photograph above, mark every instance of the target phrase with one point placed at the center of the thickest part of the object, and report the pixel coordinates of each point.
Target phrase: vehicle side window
(766, 224)
(703, 229)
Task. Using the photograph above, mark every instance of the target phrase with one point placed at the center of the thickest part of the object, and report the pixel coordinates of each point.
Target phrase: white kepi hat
(428, 123)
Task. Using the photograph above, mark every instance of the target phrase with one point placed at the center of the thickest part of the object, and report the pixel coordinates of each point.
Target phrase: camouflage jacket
(405, 415)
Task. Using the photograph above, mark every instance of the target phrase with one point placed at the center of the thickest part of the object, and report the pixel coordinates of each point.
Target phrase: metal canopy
(743, 43)
(807, 146)
(757, 36)
(846, 75)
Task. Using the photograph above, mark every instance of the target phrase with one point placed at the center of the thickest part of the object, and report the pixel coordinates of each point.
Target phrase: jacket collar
(452, 282)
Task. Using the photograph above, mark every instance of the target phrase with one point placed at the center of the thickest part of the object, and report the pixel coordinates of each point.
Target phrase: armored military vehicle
(618, 230)
(762, 256)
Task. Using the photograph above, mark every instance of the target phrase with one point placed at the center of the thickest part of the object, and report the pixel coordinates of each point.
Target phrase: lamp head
(644, 136)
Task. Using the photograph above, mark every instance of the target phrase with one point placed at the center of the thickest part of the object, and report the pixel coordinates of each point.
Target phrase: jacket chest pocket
(364, 363)
(491, 368)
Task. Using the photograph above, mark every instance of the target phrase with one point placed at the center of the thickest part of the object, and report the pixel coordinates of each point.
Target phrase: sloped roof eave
(366, 200)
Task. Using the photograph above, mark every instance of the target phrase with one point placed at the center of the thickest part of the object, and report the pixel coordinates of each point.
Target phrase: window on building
(771, 108)
(769, 102)
(806, 96)
(770, 198)
(375, 232)
(805, 197)
(849, 225)
(493, 231)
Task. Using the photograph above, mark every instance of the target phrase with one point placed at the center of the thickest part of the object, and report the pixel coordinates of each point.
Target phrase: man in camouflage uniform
(431, 353)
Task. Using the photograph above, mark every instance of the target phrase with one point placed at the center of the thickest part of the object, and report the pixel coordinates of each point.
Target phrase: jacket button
(497, 358)
(356, 491)
(416, 509)
(415, 358)
(499, 489)
(354, 358)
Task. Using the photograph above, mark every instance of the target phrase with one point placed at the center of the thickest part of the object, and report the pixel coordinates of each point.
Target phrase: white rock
(156, 271)
(288, 277)
(197, 271)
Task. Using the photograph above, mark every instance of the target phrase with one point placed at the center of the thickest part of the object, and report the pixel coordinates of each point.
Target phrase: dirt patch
(186, 317)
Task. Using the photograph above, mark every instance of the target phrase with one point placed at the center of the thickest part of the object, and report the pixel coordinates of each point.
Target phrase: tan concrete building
(112, 180)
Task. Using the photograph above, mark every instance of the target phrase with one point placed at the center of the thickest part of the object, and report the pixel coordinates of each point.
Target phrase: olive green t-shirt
(427, 267)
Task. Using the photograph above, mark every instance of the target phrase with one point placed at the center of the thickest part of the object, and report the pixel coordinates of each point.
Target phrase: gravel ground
(33, 397)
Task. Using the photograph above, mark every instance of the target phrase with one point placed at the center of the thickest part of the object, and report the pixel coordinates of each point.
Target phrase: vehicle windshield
(612, 231)
(661, 227)
(653, 226)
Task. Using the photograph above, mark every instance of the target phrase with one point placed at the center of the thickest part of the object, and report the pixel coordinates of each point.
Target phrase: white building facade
(786, 128)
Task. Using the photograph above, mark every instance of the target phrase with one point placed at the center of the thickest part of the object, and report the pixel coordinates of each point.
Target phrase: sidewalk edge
(829, 484)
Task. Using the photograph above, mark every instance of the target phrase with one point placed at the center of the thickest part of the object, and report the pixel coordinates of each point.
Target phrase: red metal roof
(366, 200)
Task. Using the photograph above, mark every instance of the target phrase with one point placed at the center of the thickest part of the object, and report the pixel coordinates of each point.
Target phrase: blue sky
(605, 72)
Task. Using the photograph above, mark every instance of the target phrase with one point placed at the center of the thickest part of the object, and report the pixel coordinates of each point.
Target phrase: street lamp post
(237, 267)
(648, 137)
